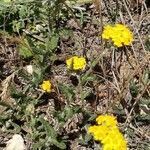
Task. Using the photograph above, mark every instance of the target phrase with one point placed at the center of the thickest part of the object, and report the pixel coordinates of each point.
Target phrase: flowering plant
(108, 133)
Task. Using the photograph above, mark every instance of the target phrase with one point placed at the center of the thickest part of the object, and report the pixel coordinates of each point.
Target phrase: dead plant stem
(134, 25)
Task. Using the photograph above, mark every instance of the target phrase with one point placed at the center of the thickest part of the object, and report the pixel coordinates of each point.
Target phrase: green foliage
(147, 44)
(48, 32)
(134, 88)
(51, 135)
(68, 91)
(67, 113)
(52, 42)
(25, 50)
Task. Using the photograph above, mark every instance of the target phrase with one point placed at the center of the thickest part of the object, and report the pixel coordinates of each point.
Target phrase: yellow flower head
(106, 120)
(114, 141)
(76, 63)
(108, 133)
(119, 34)
(99, 132)
(46, 86)
(107, 32)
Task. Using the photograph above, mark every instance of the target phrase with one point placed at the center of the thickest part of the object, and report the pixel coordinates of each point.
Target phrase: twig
(140, 131)
(94, 63)
(104, 51)
(134, 26)
(112, 69)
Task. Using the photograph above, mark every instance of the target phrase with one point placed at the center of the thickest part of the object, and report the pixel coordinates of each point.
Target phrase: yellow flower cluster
(119, 34)
(76, 63)
(108, 133)
(46, 86)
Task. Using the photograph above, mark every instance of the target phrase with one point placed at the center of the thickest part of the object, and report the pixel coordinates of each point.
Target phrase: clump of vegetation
(65, 63)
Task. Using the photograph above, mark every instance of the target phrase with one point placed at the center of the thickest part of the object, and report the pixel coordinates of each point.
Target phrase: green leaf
(134, 89)
(52, 135)
(39, 145)
(65, 33)
(146, 76)
(92, 117)
(23, 11)
(68, 91)
(85, 139)
(36, 49)
(68, 112)
(87, 78)
(25, 50)
(147, 44)
(85, 93)
(52, 43)
(37, 76)
(16, 26)
(58, 144)
(49, 129)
